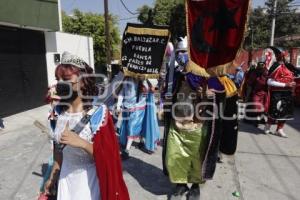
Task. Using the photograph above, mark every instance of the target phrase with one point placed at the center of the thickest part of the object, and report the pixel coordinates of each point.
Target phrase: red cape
(108, 163)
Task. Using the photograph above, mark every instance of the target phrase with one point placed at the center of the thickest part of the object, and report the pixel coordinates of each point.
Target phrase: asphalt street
(264, 167)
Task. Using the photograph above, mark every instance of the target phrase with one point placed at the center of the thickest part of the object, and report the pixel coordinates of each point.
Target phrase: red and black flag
(215, 32)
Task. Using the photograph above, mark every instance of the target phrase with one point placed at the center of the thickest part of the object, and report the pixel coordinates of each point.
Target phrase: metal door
(23, 71)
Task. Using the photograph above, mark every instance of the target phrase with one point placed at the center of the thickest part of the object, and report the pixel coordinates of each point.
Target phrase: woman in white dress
(74, 166)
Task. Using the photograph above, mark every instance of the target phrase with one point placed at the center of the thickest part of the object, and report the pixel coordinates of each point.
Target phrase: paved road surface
(264, 167)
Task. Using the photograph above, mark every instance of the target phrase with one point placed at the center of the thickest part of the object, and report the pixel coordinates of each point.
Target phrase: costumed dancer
(246, 89)
(87, 164)
(239, 77)
(191, 142)
(136, 121)
(258, 96)
(280, 99)
(229, 111)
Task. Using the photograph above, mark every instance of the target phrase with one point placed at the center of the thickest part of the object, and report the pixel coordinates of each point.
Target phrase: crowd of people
(89, 145)
(268, 91)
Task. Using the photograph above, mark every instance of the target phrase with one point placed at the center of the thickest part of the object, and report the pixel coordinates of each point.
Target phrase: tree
(287, 20)
(167, 12)
(91, 24)
(172, 13)
(143, 13)
(258, 33)
(287, 23)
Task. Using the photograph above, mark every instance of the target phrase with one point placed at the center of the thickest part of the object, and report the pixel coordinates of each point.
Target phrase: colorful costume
(107, 157)
(139, 118)
(150, 131)
(192, 144)
(78, 178)
(229, 136)
(133, 105)
(280, 96)
(259, 93)
(200, 125)
(192, 136)
(83, 176)
(79, 172)
(258, 81)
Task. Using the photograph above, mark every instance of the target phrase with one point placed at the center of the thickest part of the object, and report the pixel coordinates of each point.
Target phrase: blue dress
(151, 131)
(133, 110)
(139, 117)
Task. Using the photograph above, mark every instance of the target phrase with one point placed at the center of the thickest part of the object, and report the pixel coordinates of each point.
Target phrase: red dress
(259, 93)
(108, 163)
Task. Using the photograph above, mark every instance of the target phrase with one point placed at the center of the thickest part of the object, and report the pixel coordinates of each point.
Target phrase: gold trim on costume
(138, 75)
(147, 31)
(229, 85)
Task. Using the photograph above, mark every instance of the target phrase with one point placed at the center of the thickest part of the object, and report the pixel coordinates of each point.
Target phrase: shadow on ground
(295, 123)
(249, 128)
(150, 177)
(44, 168)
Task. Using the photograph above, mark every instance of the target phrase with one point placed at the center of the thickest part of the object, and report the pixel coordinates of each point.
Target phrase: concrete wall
(295, 56)
(57, 42)
(32, 14)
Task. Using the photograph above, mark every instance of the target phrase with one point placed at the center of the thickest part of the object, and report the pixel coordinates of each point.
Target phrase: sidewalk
(264, 167)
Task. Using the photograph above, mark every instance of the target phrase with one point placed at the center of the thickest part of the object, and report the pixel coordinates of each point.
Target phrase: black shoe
(194, 192)
(219, 160)
(179, 191)
(125, 155)
(141, 145)
(1, 124)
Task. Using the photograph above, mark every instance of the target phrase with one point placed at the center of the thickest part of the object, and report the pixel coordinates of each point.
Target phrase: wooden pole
(107, 40)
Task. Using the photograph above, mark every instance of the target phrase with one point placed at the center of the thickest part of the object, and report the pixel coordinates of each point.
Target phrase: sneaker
(267, 129)
(281, 133)
(179, 192)
(194, 193)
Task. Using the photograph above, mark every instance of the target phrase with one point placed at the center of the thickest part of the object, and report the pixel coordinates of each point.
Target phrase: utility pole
(107, 40)
(273, 23)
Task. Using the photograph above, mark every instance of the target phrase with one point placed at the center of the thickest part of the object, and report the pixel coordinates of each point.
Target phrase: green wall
(34, 13)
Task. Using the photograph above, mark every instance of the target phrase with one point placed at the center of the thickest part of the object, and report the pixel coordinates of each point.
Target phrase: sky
(116, 8)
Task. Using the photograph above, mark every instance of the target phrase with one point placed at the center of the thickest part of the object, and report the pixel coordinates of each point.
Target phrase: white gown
(78, 179)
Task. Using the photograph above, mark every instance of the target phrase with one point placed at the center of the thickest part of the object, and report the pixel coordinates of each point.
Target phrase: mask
(65, 92)
(182, 59)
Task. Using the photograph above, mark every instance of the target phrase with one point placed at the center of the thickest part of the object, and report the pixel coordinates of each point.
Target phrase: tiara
(70, 59)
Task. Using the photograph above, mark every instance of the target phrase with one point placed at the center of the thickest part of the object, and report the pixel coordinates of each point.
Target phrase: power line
(126, 8)
(128, 18)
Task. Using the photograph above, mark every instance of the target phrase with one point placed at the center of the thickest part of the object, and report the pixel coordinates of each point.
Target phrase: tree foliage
(172, 13)
(93, 25)
(167, 12)
(287, 23)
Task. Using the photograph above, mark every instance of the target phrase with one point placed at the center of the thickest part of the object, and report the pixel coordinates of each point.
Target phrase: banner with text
(143, 50)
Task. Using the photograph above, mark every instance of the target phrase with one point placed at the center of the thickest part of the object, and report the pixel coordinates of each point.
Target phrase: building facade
(30, 37)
